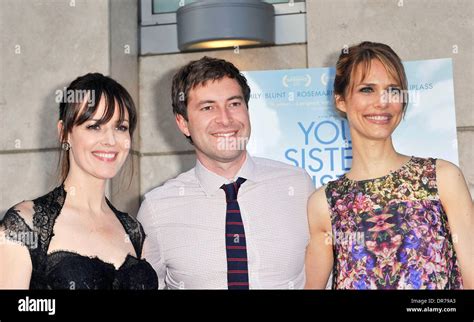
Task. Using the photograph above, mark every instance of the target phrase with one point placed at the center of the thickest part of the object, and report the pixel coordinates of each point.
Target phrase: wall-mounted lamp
(206, 24)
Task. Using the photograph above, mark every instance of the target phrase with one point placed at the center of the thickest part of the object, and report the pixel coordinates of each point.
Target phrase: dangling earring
(65, 146)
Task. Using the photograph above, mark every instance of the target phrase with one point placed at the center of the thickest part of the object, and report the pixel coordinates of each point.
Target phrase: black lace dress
(69, 270)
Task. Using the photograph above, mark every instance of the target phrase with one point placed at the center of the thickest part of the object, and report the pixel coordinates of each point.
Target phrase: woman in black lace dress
(72, 237)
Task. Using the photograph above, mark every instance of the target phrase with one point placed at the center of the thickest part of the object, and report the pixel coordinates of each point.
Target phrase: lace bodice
(66, 269)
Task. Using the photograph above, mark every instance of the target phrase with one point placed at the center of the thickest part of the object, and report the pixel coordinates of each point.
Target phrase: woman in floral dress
(393, 221)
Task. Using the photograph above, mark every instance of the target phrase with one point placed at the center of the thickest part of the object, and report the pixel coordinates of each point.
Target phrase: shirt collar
(212, 182)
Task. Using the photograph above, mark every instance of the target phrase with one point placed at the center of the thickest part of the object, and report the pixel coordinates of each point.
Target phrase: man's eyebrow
(240, 97)
(206, 102)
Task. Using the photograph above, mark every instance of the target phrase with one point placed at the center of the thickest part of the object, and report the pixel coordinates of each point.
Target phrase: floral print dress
(392, 232)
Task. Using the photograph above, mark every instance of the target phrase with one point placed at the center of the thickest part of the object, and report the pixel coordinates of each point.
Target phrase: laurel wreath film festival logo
(296, 80)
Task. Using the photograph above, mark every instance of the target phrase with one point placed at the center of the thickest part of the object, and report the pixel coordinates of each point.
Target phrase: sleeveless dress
(392, 232)
(67, 269)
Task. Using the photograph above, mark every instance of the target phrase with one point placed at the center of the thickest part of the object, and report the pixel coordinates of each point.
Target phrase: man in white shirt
(233, 221)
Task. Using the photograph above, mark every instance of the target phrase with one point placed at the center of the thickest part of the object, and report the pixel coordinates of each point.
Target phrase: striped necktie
(236, 246)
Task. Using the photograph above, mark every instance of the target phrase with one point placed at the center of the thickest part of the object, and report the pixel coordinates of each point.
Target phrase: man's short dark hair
(198, 72)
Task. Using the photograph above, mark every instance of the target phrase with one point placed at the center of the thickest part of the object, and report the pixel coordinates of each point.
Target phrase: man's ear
(60, 127)
(340, 103)
(182, 124)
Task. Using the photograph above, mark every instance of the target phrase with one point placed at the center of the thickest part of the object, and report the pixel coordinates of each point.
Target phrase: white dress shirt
(184, 220)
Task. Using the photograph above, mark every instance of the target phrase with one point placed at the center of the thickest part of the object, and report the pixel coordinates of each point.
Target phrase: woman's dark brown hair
(80, 101)
(362, 55)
